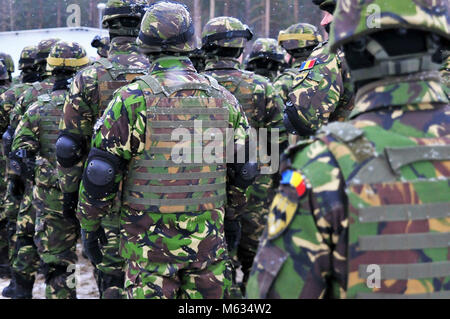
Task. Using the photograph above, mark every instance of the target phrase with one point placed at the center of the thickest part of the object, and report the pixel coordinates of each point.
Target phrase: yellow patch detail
(414, 286)
(275, 224)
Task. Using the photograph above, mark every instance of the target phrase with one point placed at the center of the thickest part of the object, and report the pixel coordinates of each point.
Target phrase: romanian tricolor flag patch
(308, 65)
(296, 180)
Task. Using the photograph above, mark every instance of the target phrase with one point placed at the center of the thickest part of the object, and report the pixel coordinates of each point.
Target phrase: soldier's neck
(417, 91)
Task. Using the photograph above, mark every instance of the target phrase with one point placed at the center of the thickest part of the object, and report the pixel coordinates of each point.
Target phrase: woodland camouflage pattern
(55, 236)
(445, 73)
(263, 110)
(353, 21)
(82, 108)
(159, 244)
(156, 25)
(266, 51)
(310, 236)
(8, 61)
(225, 24)
(323, 93)
(284, 83)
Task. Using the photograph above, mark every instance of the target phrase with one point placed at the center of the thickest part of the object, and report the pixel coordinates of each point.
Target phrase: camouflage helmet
(3, 71)
(167, 27)
(226, 32)
(8, 62)
(123, 9)
(44, 48)
(102, 45)
(355, 18)
(28, 57)
(67, 55)
(268, 49)
(298, 36)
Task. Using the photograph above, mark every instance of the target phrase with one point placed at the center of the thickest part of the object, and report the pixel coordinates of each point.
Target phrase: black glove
(91, 243)
(70, 202)
(17, 187)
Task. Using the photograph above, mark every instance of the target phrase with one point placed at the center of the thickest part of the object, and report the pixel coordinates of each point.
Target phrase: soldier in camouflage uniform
(15, 188)
(266, 58)
(90, 93)
(363, 208)
(4, 251)
(223, 40)
(26, 258)
(172, 232)
(102, 45)
(322, 91)
(298, 40)
(33, 157)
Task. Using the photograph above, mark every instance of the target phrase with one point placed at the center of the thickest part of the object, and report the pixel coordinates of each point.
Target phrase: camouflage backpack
(157, 182)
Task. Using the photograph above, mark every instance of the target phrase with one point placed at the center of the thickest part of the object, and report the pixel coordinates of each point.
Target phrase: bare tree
(212, 8)
(198, 18)
(267, 19)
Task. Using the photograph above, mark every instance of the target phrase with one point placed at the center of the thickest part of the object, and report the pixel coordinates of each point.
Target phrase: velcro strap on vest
(176, 202)
(105, 63)
(177, 189)
(402, 156)
(375, 214)
(179, 176)
(430, 295)
(404, 241)
(410, 271)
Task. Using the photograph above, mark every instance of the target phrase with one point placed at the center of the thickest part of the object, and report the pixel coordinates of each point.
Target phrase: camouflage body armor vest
(157, 182)
(242, 91)
(51, 112)
(111, 78)
(398, 223)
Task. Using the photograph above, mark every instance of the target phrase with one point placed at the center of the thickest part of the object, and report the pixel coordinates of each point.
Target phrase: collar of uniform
(172, 63)
(222, 63)
(123, 45)
(418, 91)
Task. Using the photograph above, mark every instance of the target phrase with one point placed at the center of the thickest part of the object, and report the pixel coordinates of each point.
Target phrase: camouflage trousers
(26, 261)
(55, 238)
(110, 273)
(175, 255)
(253, 221)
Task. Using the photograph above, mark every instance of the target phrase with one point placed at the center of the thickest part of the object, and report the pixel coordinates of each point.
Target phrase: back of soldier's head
(266, 57)
(167, 29)
(44, 47)
(399, 37)
(66, 58)
(225, 37)
(123, 17)
(299, 39)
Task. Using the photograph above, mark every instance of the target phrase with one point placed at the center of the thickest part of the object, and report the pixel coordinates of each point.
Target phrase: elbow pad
(69, 150)
(100, 173)
(293, 123)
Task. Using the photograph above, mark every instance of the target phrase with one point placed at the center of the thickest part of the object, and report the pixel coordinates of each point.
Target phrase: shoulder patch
(284, 206)
(307, 65)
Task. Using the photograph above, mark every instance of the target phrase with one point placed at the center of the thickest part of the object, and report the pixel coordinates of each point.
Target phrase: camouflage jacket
(306, 248)
(322, 91)
(8, 101)
(284, 82)
(82, 108)
(255, 93)
(127, 114)
(28, 97)
(31, 136)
